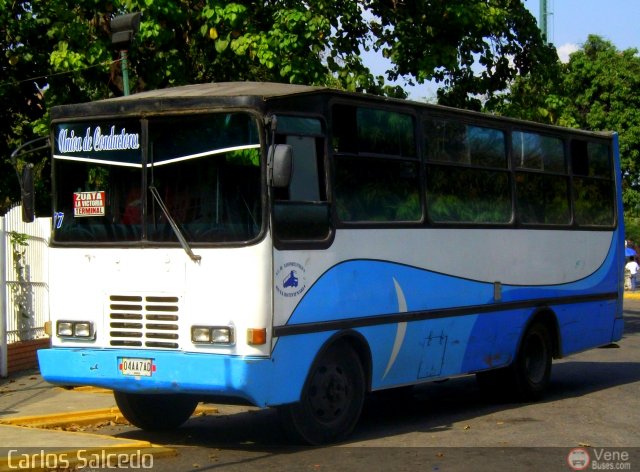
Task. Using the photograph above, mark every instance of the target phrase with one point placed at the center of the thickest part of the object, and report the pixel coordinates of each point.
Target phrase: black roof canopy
(188, 97)
(256, 95)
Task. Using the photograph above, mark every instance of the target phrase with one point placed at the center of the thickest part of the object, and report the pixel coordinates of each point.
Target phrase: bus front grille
(143, 321)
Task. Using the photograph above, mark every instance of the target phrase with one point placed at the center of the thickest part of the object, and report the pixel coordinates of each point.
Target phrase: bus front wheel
(155, 412)
(331, 400)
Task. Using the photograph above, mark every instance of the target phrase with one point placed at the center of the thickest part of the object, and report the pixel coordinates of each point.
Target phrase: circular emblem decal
(290, 279)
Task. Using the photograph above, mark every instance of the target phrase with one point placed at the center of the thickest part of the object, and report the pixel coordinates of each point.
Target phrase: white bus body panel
(228, 287)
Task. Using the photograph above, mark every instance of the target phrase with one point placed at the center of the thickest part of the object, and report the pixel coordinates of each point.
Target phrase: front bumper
(174, 372)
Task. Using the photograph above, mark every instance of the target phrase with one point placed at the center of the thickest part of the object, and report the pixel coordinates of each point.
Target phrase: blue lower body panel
(174, 372)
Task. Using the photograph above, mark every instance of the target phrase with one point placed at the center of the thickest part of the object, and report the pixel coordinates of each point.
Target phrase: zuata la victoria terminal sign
(94, 139)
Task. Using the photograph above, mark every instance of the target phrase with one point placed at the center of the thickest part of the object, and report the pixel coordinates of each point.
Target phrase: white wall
(24, 291)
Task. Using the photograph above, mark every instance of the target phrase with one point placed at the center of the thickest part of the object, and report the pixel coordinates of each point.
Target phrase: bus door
(301, 223)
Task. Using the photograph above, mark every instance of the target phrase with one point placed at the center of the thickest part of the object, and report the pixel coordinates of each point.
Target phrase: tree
(476, 48)
(602, 88)
(64, 46)
(25, 55)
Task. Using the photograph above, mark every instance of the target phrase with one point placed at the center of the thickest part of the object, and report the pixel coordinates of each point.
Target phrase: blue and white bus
(298, 247)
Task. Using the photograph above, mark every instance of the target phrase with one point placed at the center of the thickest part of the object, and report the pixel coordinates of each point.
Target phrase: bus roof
(226, 89)
(248, 94)
(239, 94)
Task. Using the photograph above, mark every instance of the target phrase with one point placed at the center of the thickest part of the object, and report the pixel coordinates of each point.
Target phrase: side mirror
(27, 194)
(280, 165)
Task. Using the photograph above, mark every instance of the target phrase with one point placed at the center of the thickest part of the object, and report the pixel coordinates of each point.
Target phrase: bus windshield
(205, 168)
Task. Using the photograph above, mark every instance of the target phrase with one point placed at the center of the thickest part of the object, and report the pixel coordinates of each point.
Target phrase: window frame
(517, 170)
(335, 155)
(469, 121)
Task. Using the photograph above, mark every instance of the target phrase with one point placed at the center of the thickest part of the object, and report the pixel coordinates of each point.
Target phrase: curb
(88, 389)
(62, 420)
(632, 295)
(84, 418)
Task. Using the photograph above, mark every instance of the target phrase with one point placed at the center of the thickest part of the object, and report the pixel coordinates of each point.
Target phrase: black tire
(526, 379)
(155, 412)
(331, 400)
(532, 367)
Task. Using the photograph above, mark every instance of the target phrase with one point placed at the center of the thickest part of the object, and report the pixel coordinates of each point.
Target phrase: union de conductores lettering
(69, 142)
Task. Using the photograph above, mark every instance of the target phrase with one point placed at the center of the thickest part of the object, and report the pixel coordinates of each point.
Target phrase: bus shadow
(437, 407)
(429, 408)
(631, 321)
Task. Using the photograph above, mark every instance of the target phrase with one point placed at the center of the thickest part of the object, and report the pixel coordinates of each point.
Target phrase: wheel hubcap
(329, 393)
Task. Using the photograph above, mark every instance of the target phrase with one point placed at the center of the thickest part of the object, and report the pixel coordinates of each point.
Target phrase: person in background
(632, 267)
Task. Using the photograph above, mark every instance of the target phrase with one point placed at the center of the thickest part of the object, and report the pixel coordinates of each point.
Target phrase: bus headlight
(212, 335)
(75, 329)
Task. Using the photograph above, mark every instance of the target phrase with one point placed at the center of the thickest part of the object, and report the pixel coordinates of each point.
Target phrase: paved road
(593, 403)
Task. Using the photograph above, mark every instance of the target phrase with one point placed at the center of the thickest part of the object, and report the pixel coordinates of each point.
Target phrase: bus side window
(305, 181)
(593, 184)
(301, 211)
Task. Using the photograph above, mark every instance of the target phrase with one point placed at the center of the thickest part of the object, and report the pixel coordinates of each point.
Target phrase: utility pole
(546, 12)
(544, 29)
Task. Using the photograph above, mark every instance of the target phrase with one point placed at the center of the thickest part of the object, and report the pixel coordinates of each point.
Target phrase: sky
(570, 22)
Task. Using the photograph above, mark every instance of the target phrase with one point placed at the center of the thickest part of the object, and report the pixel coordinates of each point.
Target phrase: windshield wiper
(174, 225)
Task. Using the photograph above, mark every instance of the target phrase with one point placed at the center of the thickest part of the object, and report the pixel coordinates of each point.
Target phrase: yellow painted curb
(62, 420)
(83, 418)
(89, 389)
(632, 295)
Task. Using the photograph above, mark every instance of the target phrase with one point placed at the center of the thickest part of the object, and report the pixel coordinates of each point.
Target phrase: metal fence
(24, 280)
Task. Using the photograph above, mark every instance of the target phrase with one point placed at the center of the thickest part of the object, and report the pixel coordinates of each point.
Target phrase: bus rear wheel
(155, 412)
(527, 377)
(331, 400)
(532, 367)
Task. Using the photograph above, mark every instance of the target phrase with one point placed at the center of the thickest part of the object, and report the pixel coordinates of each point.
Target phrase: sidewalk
(37, 423)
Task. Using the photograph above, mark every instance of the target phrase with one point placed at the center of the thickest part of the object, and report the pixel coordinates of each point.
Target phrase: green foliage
(59, 51)
(20, 290)
(244, 157)
(632, 229)
(474, 47)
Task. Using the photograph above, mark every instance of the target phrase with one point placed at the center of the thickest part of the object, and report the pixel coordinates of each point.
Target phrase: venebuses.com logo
(580, 458)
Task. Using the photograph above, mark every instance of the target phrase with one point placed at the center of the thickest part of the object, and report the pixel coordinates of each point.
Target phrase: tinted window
(537, 152)
(594, 201)
(590, 159)
(461, 187)
(458, 143)
(542, 199)
(372, 132)
(466, 195)
(542, 182)
(377, 190)
(377, 172)
(593, 186)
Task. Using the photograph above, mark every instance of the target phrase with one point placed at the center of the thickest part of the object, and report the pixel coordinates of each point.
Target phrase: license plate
(137, 367)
